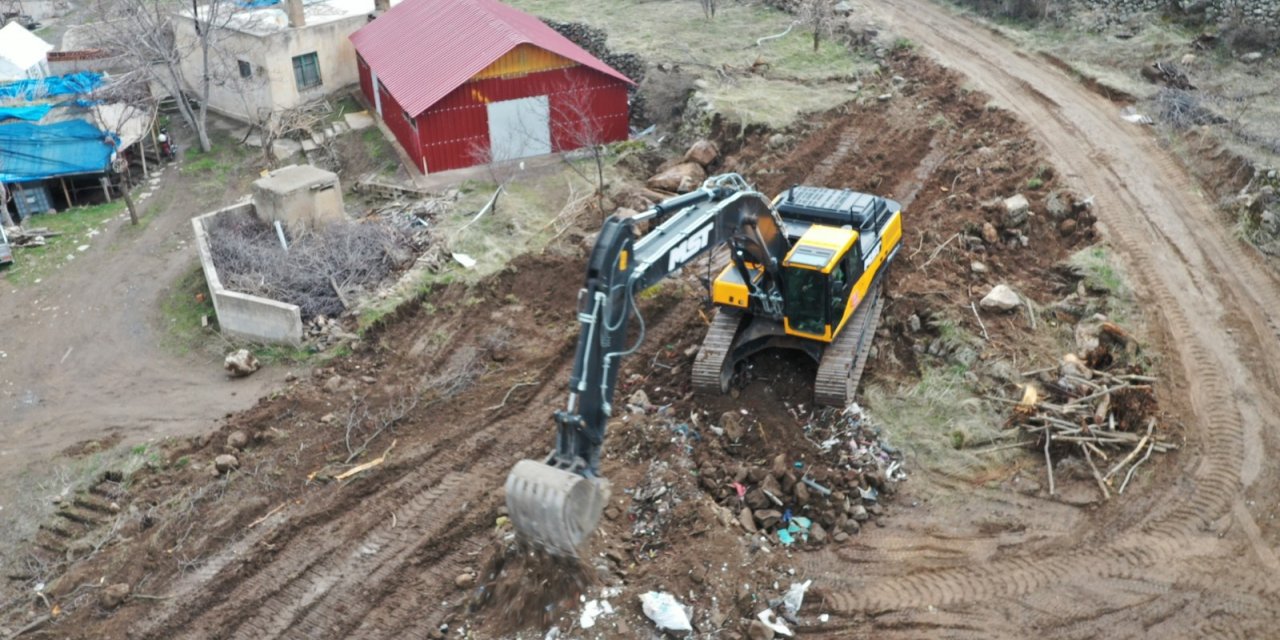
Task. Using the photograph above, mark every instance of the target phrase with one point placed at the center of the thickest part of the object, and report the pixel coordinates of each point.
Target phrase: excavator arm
(556, 503)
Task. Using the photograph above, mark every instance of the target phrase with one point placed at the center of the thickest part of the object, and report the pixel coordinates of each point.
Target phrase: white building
(279, 56)
(24, 56)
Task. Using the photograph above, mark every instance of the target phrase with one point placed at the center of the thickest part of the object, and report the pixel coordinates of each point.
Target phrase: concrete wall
(241, 315)
(272, 86)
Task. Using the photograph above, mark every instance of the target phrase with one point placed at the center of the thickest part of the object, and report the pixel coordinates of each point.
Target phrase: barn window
(306, 70)
(246, 69)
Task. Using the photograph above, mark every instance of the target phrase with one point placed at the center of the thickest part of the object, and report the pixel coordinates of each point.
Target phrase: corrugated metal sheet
(455, 131)
(424, 49)
(523, 60)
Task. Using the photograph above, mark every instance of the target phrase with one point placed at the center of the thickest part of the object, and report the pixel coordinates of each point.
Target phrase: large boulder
(1001, 298)
(703, 152)
(681, 178)
(240, 363)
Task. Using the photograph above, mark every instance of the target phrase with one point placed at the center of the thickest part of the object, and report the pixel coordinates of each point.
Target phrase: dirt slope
(1198, 561)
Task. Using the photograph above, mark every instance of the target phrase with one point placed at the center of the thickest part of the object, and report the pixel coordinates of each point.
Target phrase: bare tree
(819, 17)
(708, 8)
(583, 128)
(142, 34)
(5, 218)
(124, 107)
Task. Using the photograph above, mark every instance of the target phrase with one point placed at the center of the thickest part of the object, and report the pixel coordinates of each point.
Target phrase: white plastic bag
(665, 611)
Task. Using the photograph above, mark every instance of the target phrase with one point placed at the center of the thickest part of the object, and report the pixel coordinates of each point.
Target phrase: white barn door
(519, 128)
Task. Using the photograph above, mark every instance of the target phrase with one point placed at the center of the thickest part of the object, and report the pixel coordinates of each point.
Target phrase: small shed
(467, 82)
(23, 55)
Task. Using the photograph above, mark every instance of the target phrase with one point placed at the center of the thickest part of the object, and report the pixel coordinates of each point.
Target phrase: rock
(1088, 332)
(1270, 223)
(1188, 59)
(884, 97)
(989, 234)
(113, 596)
(913, 323)
(640, 399)
(731, 422)
(226, 463)
(747, 521)
(237, 440)
(612, 513)
(756, 499)
(768, 518)
(779, 466)
(801, 492)
(1016, 210)
(334, 384)
(1058, 205)
(859, 514)
(328, 418)
(464, 581)
(240, 363)
(771, 485)
(682, 178)
(840, 537)
(788, 482)
(703, 152)
(1067, 227)
(759, 631)
(1251, 57)
(977, 267)
(1001, 298)
(817, 534)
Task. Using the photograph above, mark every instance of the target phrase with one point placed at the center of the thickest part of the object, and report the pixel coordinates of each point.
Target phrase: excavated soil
(458, 386)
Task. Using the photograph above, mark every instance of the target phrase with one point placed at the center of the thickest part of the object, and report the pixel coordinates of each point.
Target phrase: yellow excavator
(804, 273)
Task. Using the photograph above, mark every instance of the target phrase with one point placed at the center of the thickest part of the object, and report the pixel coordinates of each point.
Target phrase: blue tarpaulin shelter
(69, 85)
(31, 151)
(33, 113)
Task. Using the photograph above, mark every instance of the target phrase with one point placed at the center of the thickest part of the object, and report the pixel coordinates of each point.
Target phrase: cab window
(805, 300)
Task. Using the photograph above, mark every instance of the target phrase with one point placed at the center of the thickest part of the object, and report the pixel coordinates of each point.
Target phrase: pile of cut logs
(19, 237)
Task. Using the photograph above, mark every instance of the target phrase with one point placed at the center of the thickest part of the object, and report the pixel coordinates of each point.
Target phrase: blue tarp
(33, 113)
(34, 152)
(68, 85)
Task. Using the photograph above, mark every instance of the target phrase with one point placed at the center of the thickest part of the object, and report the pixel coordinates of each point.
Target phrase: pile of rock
(810, 503)
(687, 174)
(324, 332)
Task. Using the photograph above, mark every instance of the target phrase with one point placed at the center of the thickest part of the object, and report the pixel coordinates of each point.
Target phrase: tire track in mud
(1216, 477)
(345, 572)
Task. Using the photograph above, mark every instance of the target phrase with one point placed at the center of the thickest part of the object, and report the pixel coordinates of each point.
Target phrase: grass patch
(675, 31)
(77, 227)
(1104, 273)
(182, 308)
(939, 422)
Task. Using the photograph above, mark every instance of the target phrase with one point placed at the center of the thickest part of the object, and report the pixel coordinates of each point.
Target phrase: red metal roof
(423, 49)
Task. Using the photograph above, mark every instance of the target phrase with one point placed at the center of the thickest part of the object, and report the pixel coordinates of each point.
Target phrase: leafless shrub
(1182, 109)
(316, 266)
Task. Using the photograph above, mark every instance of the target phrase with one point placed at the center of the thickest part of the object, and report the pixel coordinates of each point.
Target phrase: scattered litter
(1129, 114)
(785, 537)
(592, 610)
(766, 617)
(667, 613)
(794, 598)
(824, 618)
(465, 260)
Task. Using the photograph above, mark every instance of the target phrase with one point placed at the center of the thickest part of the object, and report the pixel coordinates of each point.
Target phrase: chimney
(381, 6)
(296, 17)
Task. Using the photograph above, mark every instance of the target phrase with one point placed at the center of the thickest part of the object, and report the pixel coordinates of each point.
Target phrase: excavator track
(710, 375)
(844, 360)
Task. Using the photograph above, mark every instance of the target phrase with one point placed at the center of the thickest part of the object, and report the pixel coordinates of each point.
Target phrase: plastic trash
(592, 610)
(465, 260)
(794, 597)
(666, 612)
(803, 522)
(786, 538)
(778, 627)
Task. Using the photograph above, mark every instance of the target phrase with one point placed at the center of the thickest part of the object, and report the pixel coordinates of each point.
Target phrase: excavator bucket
(553, 509)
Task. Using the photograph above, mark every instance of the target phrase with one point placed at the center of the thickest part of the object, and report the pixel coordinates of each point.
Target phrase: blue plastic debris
(802, 521)
(785, 538)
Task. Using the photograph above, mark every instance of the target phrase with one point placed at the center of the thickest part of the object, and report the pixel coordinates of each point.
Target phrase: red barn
(464, 82)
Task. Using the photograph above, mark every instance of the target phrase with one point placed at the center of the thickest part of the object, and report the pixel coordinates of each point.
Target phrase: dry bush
(340, 256)
(1182, 109)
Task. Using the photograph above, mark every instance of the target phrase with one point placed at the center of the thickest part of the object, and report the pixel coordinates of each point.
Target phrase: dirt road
(84, 349)
(1200, 556)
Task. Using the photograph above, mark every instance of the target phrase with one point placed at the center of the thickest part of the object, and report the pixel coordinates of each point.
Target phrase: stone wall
(1264, 14)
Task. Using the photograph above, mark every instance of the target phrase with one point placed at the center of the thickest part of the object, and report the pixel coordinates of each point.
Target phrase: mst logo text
(688, 248)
